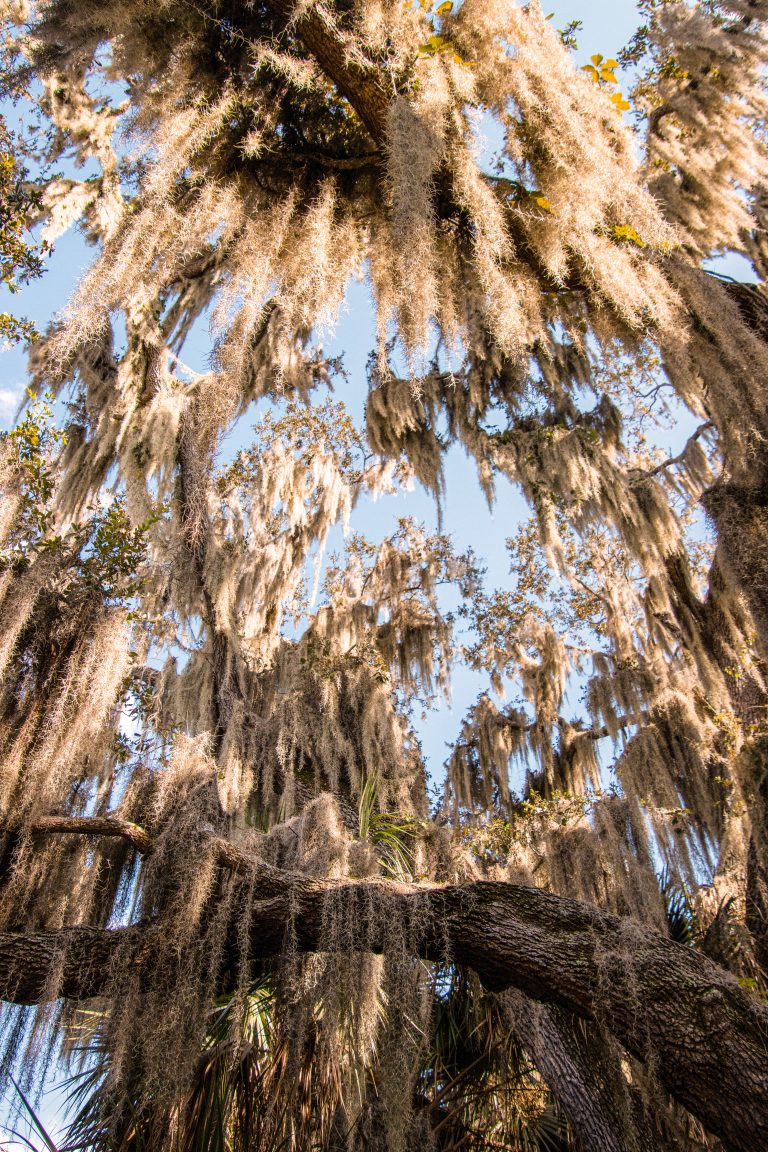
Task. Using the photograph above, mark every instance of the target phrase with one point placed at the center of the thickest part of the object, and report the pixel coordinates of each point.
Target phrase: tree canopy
(227, 899)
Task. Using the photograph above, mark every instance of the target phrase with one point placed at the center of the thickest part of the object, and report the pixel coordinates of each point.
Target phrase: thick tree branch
(580, 1080)
(668, 1005)
(359, 80)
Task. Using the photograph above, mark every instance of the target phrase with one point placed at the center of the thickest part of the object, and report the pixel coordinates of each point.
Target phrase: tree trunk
(573, 1056)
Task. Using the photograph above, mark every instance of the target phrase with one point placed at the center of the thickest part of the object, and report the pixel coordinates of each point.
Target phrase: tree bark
(586, 1087)
(704, 1037)
(109, 826)
(361, 81)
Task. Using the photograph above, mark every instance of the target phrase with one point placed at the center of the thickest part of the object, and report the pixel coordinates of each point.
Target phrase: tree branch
(668, 1005)
(359, 80)
(339, 163)
(575, 1073)
(111, 826)
(228, 854)
(640, 475)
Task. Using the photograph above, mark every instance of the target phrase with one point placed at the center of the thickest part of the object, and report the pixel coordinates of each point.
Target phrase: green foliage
(503, 620)
(388, 834)
(36, 1123)
(21, 258)
(223, 1109)
(33, 446)
(486, 1092)
(105, 552)
(681, 916)
(569, 33)
(492, 842)
(114, 553)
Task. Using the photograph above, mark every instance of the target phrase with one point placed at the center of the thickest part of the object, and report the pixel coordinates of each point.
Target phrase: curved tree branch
(113, 827)
(669, 1006)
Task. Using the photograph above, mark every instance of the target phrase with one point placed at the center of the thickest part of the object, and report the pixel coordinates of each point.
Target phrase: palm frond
(387, 833)
(36, 1122)
(680, 914)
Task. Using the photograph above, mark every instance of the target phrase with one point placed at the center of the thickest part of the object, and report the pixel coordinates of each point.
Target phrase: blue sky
(608, 24)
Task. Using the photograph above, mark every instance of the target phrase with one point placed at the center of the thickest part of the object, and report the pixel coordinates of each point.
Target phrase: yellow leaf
(608, 76)
(445, 8)
(611, 63)
(592, 72)
(596, 59)
(627, 232)
(544, 203)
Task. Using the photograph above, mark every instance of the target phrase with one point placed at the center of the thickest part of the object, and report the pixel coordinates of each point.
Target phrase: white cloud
(10, 398)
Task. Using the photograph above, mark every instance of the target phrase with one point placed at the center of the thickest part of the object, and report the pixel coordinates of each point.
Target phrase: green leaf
(366, 806)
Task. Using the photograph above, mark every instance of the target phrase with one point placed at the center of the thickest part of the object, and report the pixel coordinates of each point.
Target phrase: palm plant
(37, 1126)
(388, 834)
(476, 1086)
(235, 1078)
(479, 1084)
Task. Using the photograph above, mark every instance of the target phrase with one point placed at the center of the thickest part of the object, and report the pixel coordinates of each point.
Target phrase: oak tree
(225, 896)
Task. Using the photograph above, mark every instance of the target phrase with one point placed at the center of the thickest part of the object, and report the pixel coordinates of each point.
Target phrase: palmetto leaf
(389, 834)
(36, 1122)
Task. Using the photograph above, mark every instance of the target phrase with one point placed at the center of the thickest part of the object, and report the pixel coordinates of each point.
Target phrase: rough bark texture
(94, 825)
(598, 1110)
(704, 1037)
(757, 905)
(737, 503)
(357, 79)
